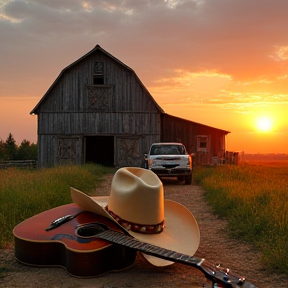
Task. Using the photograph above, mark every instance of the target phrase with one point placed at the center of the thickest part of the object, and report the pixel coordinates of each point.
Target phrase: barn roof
(186, 120)
(97, 48)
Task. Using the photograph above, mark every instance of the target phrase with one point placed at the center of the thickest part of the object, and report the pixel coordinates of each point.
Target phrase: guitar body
(62, 246)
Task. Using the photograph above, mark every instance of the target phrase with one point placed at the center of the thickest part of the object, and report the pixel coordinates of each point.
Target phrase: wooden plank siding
(125, 97)
(98, 123)
(76, 116)
(180, 130)
(74, 108)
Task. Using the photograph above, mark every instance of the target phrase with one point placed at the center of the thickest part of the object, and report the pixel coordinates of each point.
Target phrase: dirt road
(215, 246)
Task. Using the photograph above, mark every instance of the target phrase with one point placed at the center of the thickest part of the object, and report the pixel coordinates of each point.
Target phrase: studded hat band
(130, 226)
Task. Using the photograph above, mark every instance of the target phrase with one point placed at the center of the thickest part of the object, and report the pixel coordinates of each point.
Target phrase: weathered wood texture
(98, 95)
(122, 90)
(23, 164)
(98, 123)
(187, 132)
(74, 108)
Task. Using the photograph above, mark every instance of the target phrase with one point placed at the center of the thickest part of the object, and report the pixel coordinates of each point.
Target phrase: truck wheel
(188, 180)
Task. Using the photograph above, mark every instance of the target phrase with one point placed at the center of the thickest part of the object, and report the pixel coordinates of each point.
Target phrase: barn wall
(56, 150)
(61, 136)
(174, 129)
(99, 123)
(121, 87)
(74, 108)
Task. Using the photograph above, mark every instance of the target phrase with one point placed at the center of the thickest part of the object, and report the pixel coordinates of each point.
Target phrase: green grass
(254, 199)
(25, 193)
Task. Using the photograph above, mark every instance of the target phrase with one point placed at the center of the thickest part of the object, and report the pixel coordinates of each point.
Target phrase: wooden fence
(24, 164)
(204, 158)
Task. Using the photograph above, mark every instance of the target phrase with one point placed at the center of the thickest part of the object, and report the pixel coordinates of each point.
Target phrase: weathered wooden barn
(98, 110)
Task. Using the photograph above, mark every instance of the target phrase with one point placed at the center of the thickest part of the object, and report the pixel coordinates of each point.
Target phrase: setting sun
(264, 124)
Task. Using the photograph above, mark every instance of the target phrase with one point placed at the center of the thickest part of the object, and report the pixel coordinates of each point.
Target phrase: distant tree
(23, 151)
(2, 150)
(33, 152)
(10, 151)
(11, 148)
(27, 151)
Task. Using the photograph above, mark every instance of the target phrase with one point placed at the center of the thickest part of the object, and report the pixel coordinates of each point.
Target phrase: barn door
(203, 149)
(99, 149)
(128, 152)
(69, 151)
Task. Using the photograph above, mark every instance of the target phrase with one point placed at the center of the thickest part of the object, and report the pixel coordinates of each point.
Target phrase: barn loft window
(99, 97)
(98, 73)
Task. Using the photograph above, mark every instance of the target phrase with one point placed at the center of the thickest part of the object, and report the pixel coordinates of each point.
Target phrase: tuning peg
(226, 278)
(217, 265)
(241, 280)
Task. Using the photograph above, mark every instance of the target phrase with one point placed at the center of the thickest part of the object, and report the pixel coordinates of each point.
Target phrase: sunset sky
(223, 63)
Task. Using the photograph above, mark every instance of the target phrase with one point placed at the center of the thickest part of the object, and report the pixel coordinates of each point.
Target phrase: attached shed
(205, 142)
(98, 110)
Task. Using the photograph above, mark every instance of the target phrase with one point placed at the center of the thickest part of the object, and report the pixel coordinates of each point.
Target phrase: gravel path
(215, 246)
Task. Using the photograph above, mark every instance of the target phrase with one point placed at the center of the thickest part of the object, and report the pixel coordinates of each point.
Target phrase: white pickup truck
(168, 160)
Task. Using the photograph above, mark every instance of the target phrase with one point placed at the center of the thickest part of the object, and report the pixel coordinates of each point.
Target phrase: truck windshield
(167, 150)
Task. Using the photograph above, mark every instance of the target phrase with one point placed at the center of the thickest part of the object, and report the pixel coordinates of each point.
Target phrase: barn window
(98, 73)
(202, 143)
(99, 97)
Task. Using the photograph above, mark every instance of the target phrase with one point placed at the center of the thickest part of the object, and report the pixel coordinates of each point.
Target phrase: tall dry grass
(24, 193)
(254, 199)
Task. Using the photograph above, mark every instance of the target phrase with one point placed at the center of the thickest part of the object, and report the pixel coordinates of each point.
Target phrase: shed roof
(186, 120)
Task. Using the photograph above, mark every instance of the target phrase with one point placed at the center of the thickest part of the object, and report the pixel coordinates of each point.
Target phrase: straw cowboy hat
(137, 204)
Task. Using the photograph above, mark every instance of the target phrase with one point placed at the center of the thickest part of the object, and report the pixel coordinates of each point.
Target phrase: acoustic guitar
(37, 243)
(88, 245)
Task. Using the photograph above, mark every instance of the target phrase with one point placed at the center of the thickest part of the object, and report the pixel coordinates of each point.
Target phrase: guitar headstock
(223, 276)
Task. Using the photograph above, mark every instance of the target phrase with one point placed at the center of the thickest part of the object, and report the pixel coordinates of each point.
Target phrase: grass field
(24, 193)
(254, 199)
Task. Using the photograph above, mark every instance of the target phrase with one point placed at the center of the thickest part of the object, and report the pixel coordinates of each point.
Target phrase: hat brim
(180, 234)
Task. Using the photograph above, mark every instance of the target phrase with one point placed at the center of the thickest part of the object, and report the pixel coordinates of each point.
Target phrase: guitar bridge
(58, 222)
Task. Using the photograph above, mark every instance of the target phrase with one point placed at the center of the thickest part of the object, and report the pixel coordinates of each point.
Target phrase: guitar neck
(128, 241)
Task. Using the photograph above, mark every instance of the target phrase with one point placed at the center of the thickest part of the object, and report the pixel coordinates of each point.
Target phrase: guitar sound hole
(90, 230)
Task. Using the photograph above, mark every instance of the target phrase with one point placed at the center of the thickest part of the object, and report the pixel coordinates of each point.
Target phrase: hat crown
(137, 196)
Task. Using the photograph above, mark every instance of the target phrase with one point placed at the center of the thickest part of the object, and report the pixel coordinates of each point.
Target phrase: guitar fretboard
(214, 273)
(118, 238)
